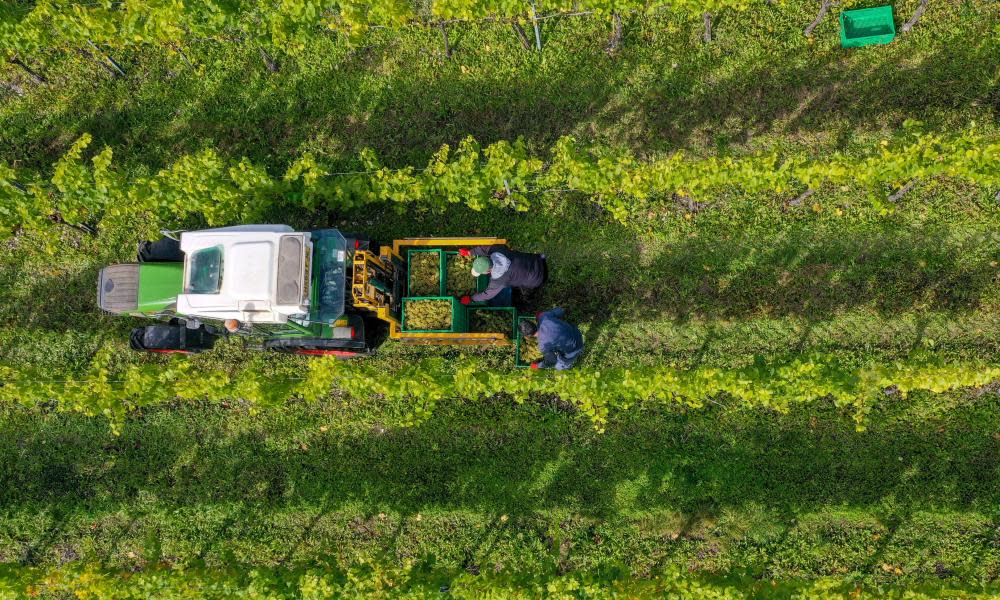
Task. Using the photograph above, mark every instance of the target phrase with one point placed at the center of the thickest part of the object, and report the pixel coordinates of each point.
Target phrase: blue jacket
(559, 342)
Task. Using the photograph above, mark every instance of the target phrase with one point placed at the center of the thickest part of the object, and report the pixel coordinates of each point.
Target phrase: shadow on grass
(806, 271)
(601, 272)
(56, 302)
(406, 117)
(493, 456)
(803, 92)
(330, 97)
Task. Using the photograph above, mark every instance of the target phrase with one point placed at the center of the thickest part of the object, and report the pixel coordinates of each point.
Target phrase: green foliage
(98, 392)
(595, 393)
(748, 492)
(20, 206)
(782, 271)
(290, 25)
(503, 175)
(623, 184)
(371, 579)
(83, 192)
(203, 184)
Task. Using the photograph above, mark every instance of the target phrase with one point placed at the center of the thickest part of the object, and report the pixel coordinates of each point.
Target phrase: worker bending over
(559, 342)
(507, 269)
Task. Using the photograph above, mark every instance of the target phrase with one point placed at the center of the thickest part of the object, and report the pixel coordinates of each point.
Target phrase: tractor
(319, 292)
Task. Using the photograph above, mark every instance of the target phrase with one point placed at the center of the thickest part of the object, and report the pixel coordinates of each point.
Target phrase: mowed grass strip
(743, 277)
(495, 486)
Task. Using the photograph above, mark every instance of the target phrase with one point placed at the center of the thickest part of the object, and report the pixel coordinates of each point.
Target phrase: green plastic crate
(512, 317)
(481, 282)
(517, 344)
(409, 271)
(459, 316)
(867, 26)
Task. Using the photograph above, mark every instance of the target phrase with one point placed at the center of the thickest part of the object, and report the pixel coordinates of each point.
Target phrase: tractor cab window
(204, 271)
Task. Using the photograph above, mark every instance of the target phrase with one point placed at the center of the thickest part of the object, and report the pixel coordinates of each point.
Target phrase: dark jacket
(559, 342)
(510, 269)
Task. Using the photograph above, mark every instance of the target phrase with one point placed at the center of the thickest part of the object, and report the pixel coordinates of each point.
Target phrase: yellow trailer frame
(366, 293)
(399, 248)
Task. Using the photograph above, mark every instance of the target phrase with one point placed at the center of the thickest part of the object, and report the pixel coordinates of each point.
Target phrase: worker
(559, 342)
(507, 269)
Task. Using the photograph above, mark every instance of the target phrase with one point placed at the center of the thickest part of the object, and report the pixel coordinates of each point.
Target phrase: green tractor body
(159, 285)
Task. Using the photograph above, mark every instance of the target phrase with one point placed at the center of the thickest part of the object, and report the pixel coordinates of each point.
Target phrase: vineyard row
(96, 29)
(371, 579)
(595, 393)
(26, 30)
(206, 187)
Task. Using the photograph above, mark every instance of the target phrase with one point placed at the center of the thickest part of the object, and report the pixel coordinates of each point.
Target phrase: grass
(495, 486)
(741, 279)
(490, 486)
(760, 84)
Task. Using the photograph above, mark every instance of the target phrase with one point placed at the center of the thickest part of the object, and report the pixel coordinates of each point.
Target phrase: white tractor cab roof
(253, 273)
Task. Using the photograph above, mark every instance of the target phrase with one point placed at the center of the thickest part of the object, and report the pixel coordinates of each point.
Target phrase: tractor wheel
(376, 332)
(163, 250)
(172, 338)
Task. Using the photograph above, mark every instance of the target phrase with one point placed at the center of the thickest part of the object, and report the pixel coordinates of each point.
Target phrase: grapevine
(778, 385)
(459, 279)
(215, 190)
(490, 321)
(529, 350)
(373, 578)
(425, 274)
(289, 25)
(426, 315)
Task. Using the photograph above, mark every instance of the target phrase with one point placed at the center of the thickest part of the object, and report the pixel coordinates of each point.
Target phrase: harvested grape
(491, 321)
(459, 279)
(427, 314)
(425, 274)
(529, 350)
